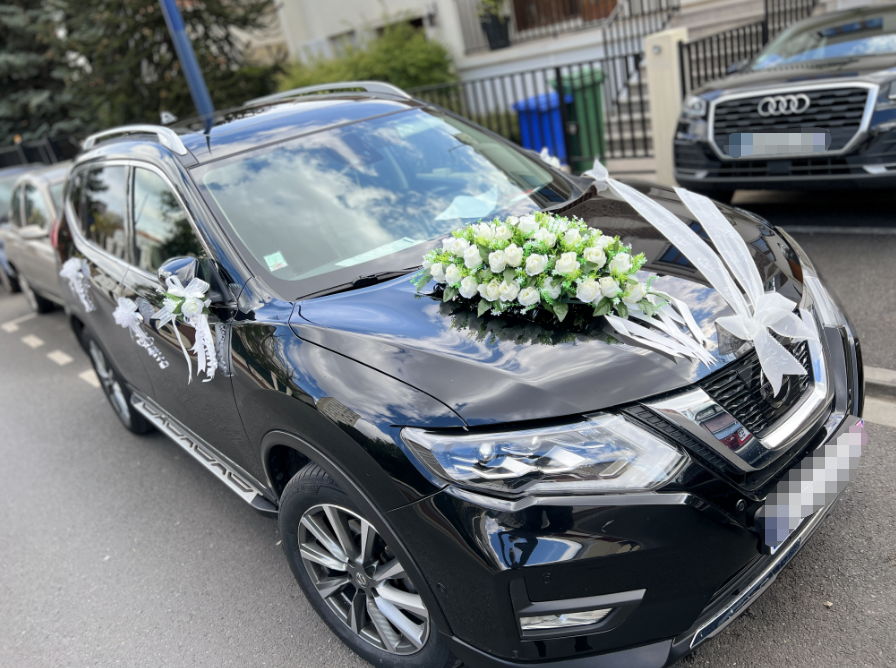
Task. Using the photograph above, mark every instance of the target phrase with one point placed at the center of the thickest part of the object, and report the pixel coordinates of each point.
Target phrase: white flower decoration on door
(76, 271)
(191, 303)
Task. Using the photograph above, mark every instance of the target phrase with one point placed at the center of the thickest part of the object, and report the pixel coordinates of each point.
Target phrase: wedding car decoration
(75, 271)
(190, 303)
(127, 316)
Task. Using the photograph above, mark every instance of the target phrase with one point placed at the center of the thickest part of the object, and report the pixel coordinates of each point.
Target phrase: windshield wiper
(362, 282)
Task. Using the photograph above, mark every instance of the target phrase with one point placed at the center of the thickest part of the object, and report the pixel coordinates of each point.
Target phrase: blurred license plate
(777, 144)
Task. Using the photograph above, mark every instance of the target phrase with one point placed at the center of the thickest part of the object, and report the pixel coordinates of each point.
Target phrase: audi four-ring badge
(770, 126)
(784, 105)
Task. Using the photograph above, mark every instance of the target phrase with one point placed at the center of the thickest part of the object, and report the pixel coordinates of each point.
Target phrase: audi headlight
(604, 453)
(694, 106)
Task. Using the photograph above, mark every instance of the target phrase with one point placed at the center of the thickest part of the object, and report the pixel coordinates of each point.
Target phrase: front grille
(838, 110)
(737, 389)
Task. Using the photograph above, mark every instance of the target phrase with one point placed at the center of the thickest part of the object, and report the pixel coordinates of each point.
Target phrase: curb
(880, 382)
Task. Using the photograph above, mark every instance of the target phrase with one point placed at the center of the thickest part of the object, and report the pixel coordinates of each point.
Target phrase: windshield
(6, 195)
(847, 37)
(371, 196)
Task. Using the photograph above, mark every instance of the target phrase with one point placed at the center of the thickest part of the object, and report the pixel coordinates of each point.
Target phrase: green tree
(130, 72)
(34, 101)
(401, 56)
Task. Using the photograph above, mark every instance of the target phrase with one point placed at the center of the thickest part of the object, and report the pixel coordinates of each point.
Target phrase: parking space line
(60, 357)
(13, 325)
(32, 341)
(90, 378)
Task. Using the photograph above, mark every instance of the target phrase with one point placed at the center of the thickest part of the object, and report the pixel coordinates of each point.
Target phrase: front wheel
(353, 579)
(114, 387)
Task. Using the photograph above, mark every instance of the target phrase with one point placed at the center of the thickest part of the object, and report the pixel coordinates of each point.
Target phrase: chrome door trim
(873, 91)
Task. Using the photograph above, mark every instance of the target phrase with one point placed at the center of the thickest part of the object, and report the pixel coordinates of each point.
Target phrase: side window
(105, 205)
(15, 208)
(36, 211)
(161, 227)
(76, 198)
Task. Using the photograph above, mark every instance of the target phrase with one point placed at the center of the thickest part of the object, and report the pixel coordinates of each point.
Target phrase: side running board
(203, 454)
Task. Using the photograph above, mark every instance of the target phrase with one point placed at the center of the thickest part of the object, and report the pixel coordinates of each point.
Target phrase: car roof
(50, 173)
(19, 169)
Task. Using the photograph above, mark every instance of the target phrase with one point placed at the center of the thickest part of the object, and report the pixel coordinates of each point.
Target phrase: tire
(348, 597)
(9, 283)
(114, 387)
(37, 303)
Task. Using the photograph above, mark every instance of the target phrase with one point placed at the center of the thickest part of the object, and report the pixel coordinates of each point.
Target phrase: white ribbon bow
(126, 316)
(74, 270)
(752, 321)
(191, 307)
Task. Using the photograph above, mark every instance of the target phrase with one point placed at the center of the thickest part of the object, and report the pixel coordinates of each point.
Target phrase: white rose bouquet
(538, 261)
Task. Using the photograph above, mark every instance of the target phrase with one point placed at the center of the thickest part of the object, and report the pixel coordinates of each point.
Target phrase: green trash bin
(585, 117)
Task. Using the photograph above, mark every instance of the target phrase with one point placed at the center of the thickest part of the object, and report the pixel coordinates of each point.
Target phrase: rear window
(371, 196)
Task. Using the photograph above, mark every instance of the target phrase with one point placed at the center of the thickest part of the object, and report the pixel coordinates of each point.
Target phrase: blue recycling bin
(541, 124)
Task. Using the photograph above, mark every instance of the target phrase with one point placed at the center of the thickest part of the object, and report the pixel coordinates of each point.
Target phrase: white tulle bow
(191, 301)
(75, 271)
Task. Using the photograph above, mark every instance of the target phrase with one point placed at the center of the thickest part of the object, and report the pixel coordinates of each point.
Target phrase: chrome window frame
(873, 92)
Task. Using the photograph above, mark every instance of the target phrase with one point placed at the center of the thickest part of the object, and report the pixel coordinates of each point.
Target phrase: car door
(99, 197)
(40, 257)
(162, 230)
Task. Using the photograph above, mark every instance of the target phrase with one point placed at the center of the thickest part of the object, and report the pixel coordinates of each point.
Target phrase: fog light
(563, 620)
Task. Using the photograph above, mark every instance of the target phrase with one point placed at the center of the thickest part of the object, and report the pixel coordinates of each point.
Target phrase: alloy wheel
(361, 580)
(110, 383)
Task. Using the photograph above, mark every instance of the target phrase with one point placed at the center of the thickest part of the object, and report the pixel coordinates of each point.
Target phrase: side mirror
(738, 66)
(188, 268)
(33, 232)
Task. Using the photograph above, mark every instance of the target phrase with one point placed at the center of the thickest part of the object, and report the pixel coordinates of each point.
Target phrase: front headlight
(604, 453)
(694, 106)
(826, 308)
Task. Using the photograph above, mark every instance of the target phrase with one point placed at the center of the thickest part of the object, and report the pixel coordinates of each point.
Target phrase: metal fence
(46, 151)
(525, 107)
(711, 57)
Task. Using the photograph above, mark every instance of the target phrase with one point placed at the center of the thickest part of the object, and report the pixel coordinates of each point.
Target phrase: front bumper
(692, 550)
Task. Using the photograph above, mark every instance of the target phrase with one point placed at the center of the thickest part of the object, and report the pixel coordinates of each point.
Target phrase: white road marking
(32, 341)
(90, 378)
(13, 325)
(879, 411)
(60, 357)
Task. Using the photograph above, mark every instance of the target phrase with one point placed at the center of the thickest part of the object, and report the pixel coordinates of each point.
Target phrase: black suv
(816, 109)
(353, 408)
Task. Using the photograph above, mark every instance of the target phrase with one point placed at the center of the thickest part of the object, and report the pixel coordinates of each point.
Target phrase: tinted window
(36, 211)
(332, 201)
(161, 228)
(15, 210)
(105, 200)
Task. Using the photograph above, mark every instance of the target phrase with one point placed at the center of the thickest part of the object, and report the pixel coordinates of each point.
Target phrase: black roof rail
(366, 86)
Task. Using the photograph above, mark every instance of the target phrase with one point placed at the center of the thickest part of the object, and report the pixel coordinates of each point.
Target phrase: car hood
(870, 69)
(504, 369)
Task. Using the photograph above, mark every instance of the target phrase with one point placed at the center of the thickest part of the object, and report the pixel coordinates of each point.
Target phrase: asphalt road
(121, 550)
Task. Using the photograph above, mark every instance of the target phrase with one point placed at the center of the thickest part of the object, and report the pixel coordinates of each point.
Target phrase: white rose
(553, 288)
(485, 231)
(527, 224)
(491, 290)
(529, 296)
(609, 287)
(535, 264)
(459, 246)
(437, 272)
(452, 274)
(448, 244)
(588, 290)
(595, 255)
(634, 294)
(621, 263)
(472, 258)
(469, 287)
(509, 291)
(503, 232)
(603, 241)
(567, 264)
(546, 237)
(497, 261)
(561, 226)
(191, 307)
(427, 263)
(571, 237)
(513, 254)
(512, 220)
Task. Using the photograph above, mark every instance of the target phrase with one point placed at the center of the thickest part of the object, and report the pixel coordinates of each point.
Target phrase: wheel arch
(277, 444)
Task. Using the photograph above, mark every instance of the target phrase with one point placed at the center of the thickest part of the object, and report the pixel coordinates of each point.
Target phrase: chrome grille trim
(873, 90)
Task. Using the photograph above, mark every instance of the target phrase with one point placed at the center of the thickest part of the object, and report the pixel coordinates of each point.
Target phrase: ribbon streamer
(75, 271)
(754, 318)
(127, 316)
(192, 303)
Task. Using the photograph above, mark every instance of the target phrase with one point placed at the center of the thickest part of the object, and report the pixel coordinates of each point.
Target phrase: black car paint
(334, 379)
